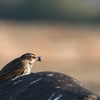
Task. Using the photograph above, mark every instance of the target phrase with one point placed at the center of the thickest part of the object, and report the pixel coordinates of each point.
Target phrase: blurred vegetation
(63, 10)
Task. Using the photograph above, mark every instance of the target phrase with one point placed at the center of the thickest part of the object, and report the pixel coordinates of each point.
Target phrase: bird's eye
(33, 57)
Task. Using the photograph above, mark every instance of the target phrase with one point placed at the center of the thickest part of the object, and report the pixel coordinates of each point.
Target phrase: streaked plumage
(19, 66)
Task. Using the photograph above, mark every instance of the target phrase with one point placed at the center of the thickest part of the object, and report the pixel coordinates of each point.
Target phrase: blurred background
(65, 33)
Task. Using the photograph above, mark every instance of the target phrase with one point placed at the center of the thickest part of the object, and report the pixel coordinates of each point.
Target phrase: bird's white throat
(28, 69)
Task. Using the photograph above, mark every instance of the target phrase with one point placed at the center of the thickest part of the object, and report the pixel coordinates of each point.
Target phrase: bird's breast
(27, 69)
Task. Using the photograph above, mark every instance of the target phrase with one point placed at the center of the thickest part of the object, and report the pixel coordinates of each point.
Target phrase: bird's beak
(38, 58)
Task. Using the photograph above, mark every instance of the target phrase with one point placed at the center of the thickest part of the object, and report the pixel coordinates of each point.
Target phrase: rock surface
(45, 86)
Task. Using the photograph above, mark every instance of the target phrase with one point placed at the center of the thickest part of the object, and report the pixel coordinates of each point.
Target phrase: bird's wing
(12, 69)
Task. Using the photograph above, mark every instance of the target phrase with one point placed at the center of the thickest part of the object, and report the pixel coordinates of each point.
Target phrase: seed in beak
(39, 58)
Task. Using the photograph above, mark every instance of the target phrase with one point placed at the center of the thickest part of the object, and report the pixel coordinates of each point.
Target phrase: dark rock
(45, 86)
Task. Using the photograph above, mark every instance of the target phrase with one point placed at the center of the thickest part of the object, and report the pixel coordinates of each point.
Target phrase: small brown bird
(19, 66)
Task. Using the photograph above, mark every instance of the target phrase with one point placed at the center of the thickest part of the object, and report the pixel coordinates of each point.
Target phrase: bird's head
(31, 57)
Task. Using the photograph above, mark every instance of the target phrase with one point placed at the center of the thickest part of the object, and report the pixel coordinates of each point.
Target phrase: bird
(18, 67)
